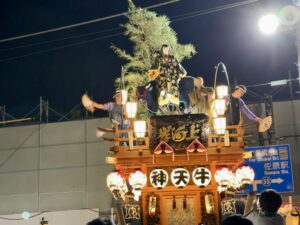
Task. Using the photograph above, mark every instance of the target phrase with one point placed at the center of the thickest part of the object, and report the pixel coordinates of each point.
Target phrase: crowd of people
(264, 211)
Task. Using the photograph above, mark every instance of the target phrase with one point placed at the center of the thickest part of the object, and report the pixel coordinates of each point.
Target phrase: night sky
(61, 74)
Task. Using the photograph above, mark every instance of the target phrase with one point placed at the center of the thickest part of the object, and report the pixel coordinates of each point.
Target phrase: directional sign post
(273, 168)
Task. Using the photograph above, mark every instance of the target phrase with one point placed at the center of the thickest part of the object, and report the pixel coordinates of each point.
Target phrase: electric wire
(212, 10)
(114, 29)
(254, 94)
(60, 47)
(215, 8)
(59, 39)
(82, 23)
(117, 34)
(273, 93)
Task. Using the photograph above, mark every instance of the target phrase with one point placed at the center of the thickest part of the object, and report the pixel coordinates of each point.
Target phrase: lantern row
(180, 177)
(225, 178)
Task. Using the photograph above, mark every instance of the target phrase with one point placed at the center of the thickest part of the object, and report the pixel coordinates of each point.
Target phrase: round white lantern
(223, 176)
(137, 179)
(234, 184)
(244, 174)
(115, 181)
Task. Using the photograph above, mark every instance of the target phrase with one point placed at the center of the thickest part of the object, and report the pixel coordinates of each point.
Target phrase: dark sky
(63, 75)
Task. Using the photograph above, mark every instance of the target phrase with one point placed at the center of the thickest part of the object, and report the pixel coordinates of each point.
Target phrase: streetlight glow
(268, 24)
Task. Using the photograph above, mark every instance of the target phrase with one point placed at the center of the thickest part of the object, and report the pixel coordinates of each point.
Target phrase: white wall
(56, 166)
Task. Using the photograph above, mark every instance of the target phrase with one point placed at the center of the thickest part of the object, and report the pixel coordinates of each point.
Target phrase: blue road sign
(273, 168)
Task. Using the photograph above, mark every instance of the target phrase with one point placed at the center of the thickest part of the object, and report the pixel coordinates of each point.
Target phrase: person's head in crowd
(99, 222)
(236, 220)
(198, 82)
(118, 97)
(239, 91)
(270, 201)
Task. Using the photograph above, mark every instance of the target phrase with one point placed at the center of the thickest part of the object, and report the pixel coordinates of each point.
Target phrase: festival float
(181, 168)
(179, 164)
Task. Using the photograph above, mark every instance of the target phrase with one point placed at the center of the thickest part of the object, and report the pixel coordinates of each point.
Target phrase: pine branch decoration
(148, 32)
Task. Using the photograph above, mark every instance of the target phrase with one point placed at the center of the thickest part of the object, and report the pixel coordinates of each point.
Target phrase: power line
(215, 8)
(82, 23)
(276, 90)
(60, 47)
(254, 94)
(60, 39)
(211, 10)
(196, 13)
(203, 12)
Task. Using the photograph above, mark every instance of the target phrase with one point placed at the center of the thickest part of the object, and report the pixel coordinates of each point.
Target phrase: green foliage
(148, 32)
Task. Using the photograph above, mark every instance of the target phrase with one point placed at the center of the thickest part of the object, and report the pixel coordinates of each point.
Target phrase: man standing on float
(236, 105)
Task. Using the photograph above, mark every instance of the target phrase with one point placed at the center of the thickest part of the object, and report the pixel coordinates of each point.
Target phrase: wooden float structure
(186, 205)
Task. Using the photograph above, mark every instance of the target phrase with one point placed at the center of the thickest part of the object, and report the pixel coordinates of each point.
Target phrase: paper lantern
(131, 109)
(115, 181)
(220, 125)
(137, 179)
(140, 128)
(244, 174)
(223, 176)
(219, 106)
(222, 91)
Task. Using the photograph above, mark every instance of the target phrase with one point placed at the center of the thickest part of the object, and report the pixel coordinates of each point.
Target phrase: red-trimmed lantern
(244, 174)
(223, 176)
(115, 181)
(137, 179)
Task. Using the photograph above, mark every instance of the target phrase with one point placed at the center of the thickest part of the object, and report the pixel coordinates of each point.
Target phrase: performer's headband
(118, 92)
(241, 87)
